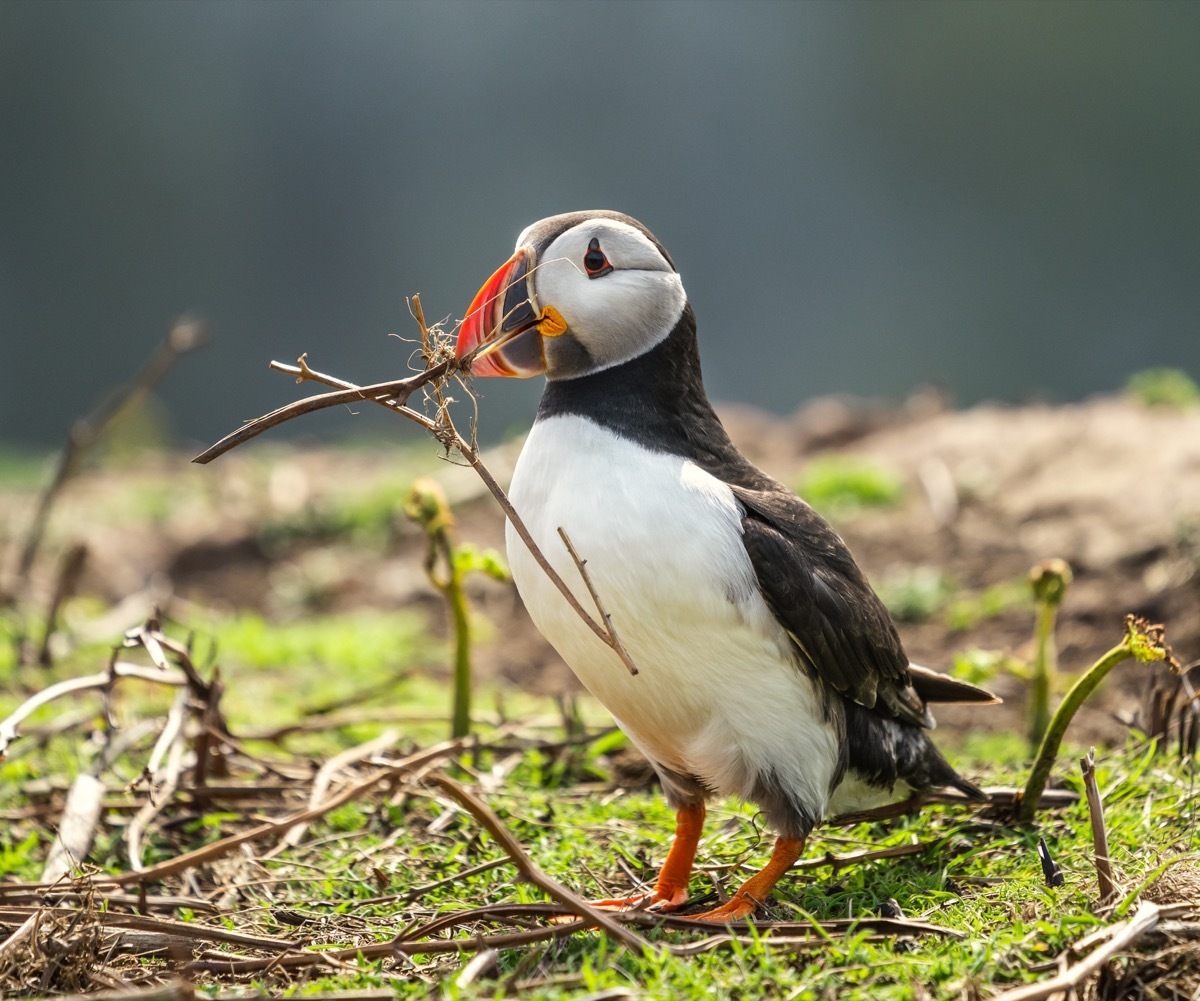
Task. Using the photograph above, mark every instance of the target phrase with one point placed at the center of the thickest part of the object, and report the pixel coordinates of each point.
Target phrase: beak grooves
(501, 324)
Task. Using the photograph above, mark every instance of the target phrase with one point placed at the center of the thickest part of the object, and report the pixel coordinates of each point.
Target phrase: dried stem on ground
(189, 860)
(162, 782)
(182, 930)
(324, 777)
(1120, 936)
(9, 727)
(784, 935)
(175, 990)
(1002, 798)
(1104, 872)
(76, 827)
(530, 873)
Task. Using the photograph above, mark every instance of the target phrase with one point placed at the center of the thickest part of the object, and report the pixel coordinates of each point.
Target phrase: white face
(629, 302)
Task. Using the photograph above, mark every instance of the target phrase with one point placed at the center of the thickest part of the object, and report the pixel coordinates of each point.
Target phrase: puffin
(767, 667)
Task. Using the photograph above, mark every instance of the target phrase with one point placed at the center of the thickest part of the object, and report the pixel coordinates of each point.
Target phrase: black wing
(819, 595)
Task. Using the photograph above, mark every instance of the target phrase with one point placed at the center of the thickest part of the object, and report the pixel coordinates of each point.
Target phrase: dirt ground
(1109, 485)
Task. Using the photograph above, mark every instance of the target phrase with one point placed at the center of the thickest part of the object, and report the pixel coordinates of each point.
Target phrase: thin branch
(185, 335)
(1000, 797)
(529, 871)
(101, 682)
(398, 391)
(69, 571)
(162, 784)
(176, 990)
(613, 640)
(383, 950)
(166, 740)
(1122, 935)
(150, 637)
(50, 898)
(781, 934)
(141, 922)
(535, 551)
(393, 396)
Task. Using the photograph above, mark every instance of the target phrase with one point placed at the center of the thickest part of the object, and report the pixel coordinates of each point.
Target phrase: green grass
(980, 878)
(915, 593)
(968, 610)
(1163, 387)
(23, 469)
(919, 593)
(842, 486)
(1009, 923)
(366, 517)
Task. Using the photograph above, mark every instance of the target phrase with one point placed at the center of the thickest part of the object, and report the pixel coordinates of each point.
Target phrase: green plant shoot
(1143, 642)
(1049, 581)
(448, 563)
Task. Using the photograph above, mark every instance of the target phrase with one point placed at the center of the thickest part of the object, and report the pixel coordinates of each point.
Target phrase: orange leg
(743, 903)
(670, 892)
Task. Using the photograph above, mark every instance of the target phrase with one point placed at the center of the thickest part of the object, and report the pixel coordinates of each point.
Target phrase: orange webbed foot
(745, 902)
(670, 892)
(659, 902)
(655, 902)
(736, 908)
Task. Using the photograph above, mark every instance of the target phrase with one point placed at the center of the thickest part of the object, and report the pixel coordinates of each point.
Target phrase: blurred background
(1001, 200)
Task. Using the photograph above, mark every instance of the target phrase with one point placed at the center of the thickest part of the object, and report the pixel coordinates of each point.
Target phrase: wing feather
(809, 579)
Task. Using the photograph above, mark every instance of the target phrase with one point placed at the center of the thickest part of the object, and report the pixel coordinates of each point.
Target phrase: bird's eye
(594, 261)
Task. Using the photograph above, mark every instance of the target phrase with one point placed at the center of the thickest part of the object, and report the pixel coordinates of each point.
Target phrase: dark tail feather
(881, 750)
(935, 687)
(969, 789)
(938, 773)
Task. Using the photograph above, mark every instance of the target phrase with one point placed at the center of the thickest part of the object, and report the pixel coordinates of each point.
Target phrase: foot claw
(656, 901)
(638, 900)
(737, 908)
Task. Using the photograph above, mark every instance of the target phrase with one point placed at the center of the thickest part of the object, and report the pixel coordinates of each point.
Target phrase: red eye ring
(594, 262)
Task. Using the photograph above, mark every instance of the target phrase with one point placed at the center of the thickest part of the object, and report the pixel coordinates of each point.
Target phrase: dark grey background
(1001, 199)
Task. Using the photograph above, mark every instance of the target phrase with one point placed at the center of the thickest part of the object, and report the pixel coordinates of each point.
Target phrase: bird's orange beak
(504, 328)
(501, 324)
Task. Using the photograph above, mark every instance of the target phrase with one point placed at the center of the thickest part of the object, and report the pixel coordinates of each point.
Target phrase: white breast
(717, 695)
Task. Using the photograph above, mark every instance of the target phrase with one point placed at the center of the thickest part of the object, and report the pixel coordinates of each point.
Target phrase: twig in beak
(394, 396)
